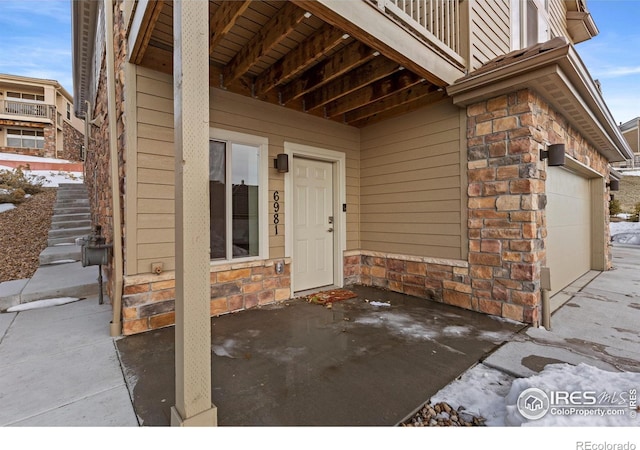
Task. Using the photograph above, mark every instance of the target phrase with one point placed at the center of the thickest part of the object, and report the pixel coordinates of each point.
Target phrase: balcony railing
(18, 108)
(435, 21)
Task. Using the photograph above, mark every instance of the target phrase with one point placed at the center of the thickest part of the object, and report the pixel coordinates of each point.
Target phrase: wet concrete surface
(296, 363)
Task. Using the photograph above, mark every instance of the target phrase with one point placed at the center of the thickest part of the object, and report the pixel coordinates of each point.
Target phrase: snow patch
(6, 207)
(63, 261)
(46, 303)
(27, 158)
(379, 304)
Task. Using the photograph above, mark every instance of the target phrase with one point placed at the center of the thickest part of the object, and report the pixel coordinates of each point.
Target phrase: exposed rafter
(273, 32)
(149, 23)
(223, 19)
(373, 92)
(378, 68)
(425, 91)
(342, 62)
(299, 59)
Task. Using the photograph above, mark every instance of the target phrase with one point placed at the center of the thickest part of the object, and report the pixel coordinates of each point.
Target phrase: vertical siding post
(191, 120)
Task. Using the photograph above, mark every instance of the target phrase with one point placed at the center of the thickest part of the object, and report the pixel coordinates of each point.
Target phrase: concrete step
(60, 254)
(70, 217)
(72, 202)
(65, 232)
(10, 293)
(61, 280)
(71, 196)
(71, 210)
(70, 224)
(63, 241)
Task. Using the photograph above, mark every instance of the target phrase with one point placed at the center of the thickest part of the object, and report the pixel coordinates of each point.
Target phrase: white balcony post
(191, 120)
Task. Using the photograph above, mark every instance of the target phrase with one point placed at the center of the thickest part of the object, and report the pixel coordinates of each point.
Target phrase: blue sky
(36, 42)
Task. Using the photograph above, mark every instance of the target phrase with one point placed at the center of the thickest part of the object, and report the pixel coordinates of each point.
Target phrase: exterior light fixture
(554, 154)
(281, 163)
(614, 185)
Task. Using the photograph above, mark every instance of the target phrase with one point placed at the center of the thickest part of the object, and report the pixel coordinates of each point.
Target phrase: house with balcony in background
(244, 152)
(37, 119)
(631, 132)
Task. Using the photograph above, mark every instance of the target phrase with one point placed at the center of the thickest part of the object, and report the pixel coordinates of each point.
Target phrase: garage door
(568, 227)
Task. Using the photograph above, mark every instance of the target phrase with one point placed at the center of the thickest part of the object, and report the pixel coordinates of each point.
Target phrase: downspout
(116, 300)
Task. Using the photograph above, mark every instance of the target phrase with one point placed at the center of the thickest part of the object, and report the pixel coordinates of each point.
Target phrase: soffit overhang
(560, 77)
(84, 16)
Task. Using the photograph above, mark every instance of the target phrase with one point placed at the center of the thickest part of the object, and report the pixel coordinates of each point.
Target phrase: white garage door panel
(568, 227)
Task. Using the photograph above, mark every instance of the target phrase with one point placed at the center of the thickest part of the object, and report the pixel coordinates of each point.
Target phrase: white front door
(313, 219)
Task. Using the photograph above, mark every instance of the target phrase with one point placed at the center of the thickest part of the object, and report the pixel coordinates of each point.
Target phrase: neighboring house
(413, 132)
(37, 118)
(630, 131)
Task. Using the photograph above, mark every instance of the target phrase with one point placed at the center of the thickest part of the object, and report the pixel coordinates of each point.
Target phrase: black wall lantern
(281, 163)
(554, 154)
(614, 185)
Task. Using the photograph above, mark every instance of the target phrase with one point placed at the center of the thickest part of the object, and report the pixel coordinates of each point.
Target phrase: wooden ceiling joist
(271, 34)
(223, 20)
(398, 99)
(149, 20)
(301, 58)
(337, 65)
(376, 69)
(373, 92)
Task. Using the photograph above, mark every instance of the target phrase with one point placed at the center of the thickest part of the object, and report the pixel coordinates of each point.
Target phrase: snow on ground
(26, 158)
(6, 207)
(46, 303)
(492, 394)
(52, 178)
(624, 227)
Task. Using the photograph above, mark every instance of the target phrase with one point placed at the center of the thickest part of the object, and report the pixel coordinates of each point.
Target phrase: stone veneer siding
(149, 300)
(506, 215)
(49, 150)
(98, 157)
(507, 199)
(72, 142)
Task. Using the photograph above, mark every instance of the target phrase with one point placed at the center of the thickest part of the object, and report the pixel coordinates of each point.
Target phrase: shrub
(614, 207)
(9, 194)
(16, 178)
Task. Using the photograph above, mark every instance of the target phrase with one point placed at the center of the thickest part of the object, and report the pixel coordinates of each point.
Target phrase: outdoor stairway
(60, 273)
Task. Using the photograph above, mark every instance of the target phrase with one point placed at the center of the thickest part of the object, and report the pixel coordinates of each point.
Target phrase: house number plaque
(276, 209)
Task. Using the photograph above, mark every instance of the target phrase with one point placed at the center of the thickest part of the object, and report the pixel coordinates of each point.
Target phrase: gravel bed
(23, 235)
(443, 415)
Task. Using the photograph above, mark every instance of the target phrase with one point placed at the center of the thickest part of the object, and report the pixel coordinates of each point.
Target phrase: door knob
(330, 230)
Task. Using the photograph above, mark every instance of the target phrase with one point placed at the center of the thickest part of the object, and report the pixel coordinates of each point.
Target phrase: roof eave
(564, 64)
(84, 16)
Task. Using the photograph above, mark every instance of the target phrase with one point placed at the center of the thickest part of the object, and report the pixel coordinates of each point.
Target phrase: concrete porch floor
(304, 364)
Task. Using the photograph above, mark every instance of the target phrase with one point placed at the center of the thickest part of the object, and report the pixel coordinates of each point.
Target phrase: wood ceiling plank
(272, 33)
(150, 18)
(375, 91)
(223, 19)
(304, 55)
(374, 70)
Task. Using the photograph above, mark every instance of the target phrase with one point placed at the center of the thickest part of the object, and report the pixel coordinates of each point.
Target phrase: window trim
(262, 143)
(35, 137)
(519, 22)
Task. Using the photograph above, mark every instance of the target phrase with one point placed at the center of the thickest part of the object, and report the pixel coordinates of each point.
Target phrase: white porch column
(191, 109)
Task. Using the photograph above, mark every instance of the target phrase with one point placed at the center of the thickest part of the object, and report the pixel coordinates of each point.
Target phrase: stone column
(506, 207)
(191, 119)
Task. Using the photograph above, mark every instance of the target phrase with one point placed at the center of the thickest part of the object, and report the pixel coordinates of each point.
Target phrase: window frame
(520, 22)
(233, 137)
(35, 137)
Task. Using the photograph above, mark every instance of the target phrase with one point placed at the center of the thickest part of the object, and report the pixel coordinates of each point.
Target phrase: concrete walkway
(60, 273)
(60, 367)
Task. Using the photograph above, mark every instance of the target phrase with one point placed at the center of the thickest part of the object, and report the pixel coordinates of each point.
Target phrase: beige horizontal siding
(490, 30)
(155, 162)
(410, 184)
(558, 18)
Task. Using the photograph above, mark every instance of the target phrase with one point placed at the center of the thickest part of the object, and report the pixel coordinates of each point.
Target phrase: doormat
(328, 297)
